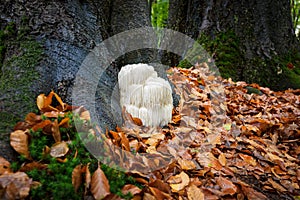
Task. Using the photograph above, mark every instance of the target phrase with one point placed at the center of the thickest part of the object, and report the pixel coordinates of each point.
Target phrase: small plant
(54, 155)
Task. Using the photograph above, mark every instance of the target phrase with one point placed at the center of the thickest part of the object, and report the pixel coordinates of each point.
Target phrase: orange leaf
(59, 149)
(59, 100)
(43, 101)
(64, 122)
(19, 141)
(76, 177)
(137, 121)
(99, 185)
(41, 125)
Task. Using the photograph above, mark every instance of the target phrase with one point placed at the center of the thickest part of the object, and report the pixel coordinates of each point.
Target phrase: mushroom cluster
(145, 95)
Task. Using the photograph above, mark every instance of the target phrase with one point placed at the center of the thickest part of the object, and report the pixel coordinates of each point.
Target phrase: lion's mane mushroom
(145, 95)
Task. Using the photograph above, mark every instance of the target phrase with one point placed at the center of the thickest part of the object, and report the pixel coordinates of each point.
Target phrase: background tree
(252, 41)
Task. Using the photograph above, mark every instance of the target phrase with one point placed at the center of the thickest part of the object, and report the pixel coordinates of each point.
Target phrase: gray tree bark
(264, 30)
(68, 30)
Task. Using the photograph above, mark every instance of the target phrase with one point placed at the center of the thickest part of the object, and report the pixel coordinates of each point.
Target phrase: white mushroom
(145, 95)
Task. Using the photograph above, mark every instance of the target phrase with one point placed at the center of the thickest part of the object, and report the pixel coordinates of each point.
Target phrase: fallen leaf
(248, 159)
(32, 165)
(227, 187)
(134, 190)
(19, 140)
(55, 131)
(59, 149)
(137, 121)
(99, 185)
(253, 194)
(276, 185)
(148, 196)
(186, 164)
(159, 195)
(4, 166)
(194, 193)
(184, 181)
(88, 178)
(77, 177)
(15, 185)
(222, 159)
(41, 125)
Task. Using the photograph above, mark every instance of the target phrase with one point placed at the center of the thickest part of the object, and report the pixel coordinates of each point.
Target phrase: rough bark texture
(67, 31)
(263, 29)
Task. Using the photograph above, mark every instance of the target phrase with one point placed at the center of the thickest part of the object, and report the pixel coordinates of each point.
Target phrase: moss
(20, 55)
(56, 179)
(224, 49)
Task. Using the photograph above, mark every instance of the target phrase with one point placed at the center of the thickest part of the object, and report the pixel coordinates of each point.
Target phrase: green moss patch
(19, 55)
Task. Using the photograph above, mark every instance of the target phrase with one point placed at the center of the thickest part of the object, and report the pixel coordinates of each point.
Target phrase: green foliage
(295, 11)
(17, 73)
(56, 179)
(159, 16)
(159, 13)
(224, 49)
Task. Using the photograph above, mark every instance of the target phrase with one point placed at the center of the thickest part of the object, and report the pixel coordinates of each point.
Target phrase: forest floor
(227, 140)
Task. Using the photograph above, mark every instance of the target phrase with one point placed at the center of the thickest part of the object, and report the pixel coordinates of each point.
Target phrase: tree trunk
(263, 31)
(66, 31)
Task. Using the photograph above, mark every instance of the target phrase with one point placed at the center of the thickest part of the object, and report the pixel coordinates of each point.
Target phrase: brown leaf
(184, 181)
(248, 159)
(99, 185)
(276, 185)
(32, 165)
(186, 164)
(32, 118)
(160, 184)
(64, 122)
(76, 177)
(59, 100)
(148, 196)
(41, 125)
(194, 193)
(227, 187)
(137, 121)
(15, 185)
(19, 140)
(134, 190)
(59, 149)
(87, 178)
(55, 131)
(4, 166)
(222, 159)
(159, 195)
(253, 194)
(43, 101)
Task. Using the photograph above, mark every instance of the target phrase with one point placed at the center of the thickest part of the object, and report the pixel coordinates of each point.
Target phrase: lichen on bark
(17, 77)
